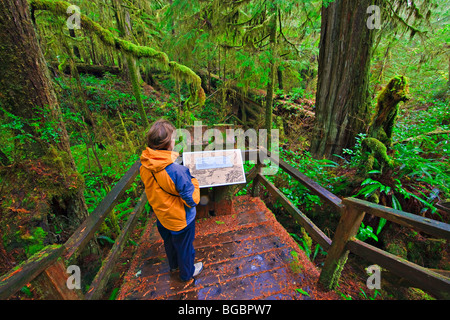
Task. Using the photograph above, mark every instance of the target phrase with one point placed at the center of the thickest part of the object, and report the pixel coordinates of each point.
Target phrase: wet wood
(316, 234)
(245, 256)
(423, 278)
(27, 271)
(52, 283)
(101, 279)
(429, 226)
(337, 254)
(87, 229)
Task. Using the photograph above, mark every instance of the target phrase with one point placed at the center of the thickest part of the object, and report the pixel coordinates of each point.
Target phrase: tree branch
(108, 38)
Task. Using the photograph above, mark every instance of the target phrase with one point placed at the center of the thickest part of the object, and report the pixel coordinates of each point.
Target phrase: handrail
(316, 234)
(421, 277)
(32, 268)
(14, 280)
(87, 229)
(429, 226)
(352, 212)
(101, 279)
(313, 186)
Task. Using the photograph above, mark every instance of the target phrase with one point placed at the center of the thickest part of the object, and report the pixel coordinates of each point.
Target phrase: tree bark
(342, 101)
(26, 92)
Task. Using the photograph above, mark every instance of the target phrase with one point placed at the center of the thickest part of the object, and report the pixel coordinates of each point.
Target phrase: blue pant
(179, 246)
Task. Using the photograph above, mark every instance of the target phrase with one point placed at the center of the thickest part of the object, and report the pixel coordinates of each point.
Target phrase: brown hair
(160, 135)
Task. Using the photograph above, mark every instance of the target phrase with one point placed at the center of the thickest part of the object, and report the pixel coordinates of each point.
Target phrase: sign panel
(216, 168)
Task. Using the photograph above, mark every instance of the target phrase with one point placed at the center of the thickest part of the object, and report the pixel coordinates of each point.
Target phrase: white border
(239, 151)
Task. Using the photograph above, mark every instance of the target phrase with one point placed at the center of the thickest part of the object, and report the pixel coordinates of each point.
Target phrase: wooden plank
(101, 279)
(162, 284)
(423, 278)
(52, 283)
(313, 186)
(255, 287)
(256, 180)
(87, 229)
(316, 234)
(14, 280)
(337, 255)
(429, 226)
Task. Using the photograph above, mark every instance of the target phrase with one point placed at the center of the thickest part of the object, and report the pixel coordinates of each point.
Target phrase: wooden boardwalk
(246, 254)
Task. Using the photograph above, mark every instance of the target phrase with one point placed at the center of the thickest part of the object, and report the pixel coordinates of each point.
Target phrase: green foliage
(375, 294)
(303, 292)
(366, 232)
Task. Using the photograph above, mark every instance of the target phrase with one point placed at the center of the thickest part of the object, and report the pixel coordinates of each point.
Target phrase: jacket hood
(157, 160)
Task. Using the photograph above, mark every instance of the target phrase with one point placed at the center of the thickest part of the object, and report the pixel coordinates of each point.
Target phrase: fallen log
(95, 70)
(428, 134)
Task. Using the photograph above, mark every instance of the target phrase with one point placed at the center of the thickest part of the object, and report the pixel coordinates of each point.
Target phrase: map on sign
(215, 168)
(212, 163)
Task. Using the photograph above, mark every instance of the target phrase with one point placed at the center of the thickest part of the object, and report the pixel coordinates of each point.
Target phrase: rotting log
(52, 283)
(95, 70)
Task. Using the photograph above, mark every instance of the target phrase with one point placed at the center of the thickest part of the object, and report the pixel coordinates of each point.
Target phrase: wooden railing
(49, 271)
(352, 213)
(47, 268)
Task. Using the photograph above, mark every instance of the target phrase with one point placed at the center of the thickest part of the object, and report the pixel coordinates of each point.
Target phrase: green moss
(295, 264)
(330, 277)
(374, 149)
(398, 248)
(33, 241)
(107, 37)
(417, 294)
(396, 91)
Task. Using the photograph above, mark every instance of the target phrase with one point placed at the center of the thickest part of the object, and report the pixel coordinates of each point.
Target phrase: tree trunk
(124, 29)
(272, 70)
(76, 51)
(342, 101)
(27, 94)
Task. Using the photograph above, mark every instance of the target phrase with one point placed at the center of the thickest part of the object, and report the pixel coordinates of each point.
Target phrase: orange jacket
(174, 194)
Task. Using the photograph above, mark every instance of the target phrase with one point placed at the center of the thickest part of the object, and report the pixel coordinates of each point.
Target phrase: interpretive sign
(215, 168)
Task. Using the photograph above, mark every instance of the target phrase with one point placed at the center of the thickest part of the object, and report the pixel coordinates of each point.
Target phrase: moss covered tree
(346, 47)
(379, 141)
(28, 101)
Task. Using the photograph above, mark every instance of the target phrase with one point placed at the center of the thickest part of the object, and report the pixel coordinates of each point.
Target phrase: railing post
(52, 283)
(337, 255)
(256, 183)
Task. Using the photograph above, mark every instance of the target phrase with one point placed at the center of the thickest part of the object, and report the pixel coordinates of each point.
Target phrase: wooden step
(255, 286)
(246, 255)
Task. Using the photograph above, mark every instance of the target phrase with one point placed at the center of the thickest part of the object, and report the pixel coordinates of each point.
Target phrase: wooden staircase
(246, 255)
